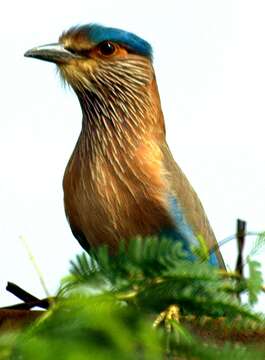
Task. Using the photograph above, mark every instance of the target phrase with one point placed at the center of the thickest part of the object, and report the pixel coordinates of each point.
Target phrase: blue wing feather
(183, 232)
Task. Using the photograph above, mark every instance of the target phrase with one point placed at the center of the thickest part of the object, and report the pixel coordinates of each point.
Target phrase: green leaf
(255, 281)
(258, 245)
(201, 250)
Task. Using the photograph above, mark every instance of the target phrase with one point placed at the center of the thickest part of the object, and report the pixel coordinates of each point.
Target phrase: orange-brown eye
(107, 48)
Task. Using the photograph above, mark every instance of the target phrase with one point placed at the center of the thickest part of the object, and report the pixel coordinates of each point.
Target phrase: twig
(20, 293)
(32, 259)
(41, 303)
(30, 301)
(240, 235)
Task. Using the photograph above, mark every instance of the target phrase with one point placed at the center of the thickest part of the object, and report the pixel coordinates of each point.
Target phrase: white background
(210, 65)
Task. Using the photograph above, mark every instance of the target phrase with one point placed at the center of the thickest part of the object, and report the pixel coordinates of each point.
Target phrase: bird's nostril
(79, 52)
(71, 50)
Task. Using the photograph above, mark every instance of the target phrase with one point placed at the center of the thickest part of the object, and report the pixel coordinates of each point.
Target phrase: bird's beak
(55, 53)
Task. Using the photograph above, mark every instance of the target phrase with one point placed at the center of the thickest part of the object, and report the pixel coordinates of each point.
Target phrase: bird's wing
(184, 198)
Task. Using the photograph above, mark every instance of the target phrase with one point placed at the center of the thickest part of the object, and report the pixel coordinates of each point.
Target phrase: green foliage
(201, 250)
(107, 305)
(258, 245)
(254, 282)
(7, 341)
(85, 327)
(152, 275)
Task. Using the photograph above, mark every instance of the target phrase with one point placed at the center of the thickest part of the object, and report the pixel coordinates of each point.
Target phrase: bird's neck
(120, 122)
(117, 168)
(125, 156)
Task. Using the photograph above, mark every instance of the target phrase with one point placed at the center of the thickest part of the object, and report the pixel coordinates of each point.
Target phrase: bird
(121, 180)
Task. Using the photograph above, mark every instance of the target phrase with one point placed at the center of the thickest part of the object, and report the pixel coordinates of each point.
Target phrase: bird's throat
(113, 124)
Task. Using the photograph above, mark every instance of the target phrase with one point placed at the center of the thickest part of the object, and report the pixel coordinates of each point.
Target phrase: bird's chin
(79, 81)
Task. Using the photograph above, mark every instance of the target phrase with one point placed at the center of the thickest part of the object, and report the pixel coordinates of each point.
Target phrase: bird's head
(91, 57)
(112, 74)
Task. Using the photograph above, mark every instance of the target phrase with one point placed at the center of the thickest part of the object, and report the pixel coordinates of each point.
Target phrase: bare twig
(30, 301)
(240, 235)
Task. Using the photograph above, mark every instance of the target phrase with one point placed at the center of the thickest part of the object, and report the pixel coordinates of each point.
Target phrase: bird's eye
(107, 48)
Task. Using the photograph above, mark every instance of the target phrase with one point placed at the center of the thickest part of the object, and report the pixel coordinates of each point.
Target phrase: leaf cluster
(108, 303)
(152, 274)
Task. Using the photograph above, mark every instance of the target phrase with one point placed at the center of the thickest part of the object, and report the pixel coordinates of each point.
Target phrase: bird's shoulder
(182, 193)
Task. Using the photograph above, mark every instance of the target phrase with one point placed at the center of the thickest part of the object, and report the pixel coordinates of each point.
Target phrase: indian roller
(122, 180)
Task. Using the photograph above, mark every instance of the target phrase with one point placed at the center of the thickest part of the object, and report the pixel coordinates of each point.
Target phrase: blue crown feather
(98, 33)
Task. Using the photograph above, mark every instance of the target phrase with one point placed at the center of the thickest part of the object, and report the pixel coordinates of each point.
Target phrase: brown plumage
(121, 180)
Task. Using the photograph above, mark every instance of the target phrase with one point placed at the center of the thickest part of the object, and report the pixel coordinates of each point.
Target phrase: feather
(97, 33)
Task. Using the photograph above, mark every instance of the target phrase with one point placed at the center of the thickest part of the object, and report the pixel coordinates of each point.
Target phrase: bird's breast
(116, 197)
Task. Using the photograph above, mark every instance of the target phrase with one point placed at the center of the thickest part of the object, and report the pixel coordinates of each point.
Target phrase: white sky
(210, 65)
